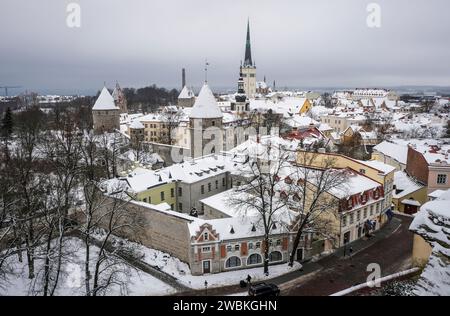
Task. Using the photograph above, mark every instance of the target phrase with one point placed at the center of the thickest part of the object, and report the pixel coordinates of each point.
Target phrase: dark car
(263, 289)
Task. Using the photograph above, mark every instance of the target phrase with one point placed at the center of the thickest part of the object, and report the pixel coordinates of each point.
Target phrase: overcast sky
(295, 42)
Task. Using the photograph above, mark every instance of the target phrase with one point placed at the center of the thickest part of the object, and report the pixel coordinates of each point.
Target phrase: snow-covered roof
(205, 105)
(380, 166)
(404, 183)
(411, 202)
(261, 85)
(136, 124)
(186, 93)
(395, 151)
(198, 169)
(105, 101)
(240, 223)
(139, 180)
(436, 194)
(356, 183)
(299, 121)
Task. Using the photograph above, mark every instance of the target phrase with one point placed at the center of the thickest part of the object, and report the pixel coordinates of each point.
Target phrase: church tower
(206, 126)
(241, 104)
(119, 99)
(248, 70)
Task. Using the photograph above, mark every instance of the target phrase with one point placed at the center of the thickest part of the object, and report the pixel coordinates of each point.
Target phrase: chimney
(183, 78)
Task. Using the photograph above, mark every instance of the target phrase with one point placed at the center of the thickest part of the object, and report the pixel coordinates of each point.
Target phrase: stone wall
(105, 120)
(152, 228)
(165, 151)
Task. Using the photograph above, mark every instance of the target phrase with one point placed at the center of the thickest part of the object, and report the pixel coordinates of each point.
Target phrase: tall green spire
(248, 50)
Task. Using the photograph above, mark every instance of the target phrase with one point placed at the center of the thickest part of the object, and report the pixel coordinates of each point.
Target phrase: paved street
(392, 253)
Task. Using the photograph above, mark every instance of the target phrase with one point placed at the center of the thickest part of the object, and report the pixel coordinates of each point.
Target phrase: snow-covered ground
(71, 283)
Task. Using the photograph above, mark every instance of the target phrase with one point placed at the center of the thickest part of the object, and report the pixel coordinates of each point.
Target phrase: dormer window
(205, 236)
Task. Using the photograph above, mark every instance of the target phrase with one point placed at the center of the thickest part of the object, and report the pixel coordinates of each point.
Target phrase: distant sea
(427, 90)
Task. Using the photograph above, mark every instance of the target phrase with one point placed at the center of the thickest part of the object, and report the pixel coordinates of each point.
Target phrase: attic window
(274, 226)
(232, 230)
(253, 228)
(205, 236)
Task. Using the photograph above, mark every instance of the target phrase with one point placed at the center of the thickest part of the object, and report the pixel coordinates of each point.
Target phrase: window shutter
(223, 251)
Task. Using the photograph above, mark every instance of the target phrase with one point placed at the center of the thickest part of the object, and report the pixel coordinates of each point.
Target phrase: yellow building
(158, 194)
(151, 187)
(305, 107)
(375, 170)
(408, 195)
(421, 251)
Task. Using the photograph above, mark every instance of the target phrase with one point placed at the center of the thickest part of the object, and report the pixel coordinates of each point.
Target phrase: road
(392, 253)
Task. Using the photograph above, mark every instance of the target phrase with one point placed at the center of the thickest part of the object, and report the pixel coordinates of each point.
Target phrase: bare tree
(308, 194)
(105, 209)
(26, 169)
(109, 148)
(61, 150)
(259, 177)
(171, 117)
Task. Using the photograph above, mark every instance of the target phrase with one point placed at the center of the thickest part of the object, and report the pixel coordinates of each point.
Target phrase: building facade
(105, 113)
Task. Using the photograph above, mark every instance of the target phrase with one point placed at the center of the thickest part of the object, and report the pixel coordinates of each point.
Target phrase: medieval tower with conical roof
(248, 69)
(105, 113)
(206, 126)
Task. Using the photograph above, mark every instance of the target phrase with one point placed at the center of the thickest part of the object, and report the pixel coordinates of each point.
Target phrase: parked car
(263, 289)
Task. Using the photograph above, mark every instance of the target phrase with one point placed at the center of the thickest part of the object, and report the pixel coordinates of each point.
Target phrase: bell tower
(248, 69)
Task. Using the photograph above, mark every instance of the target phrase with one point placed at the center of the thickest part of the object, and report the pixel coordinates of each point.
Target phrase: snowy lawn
(71, 282)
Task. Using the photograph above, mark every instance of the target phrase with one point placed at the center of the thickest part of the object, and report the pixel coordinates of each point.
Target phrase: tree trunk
(296, 242)
(60, 254)
(30, 250)
(87, 272)
(266, 255)
(47, 261)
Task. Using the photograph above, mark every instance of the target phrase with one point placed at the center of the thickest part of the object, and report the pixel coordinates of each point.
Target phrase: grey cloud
(297, 43)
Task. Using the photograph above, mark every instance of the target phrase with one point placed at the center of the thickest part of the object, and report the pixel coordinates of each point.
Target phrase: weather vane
(206, 70)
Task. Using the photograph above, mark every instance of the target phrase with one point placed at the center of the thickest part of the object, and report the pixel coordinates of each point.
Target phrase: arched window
(275, 256)
(254, 259)
(233, 262)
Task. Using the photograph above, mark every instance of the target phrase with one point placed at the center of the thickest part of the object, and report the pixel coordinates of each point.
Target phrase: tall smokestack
(183, 78)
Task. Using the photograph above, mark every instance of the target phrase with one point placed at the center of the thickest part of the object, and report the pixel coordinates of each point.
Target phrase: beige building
(155, 129)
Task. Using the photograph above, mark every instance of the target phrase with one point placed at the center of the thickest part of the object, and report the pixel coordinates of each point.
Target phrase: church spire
(248, 51)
